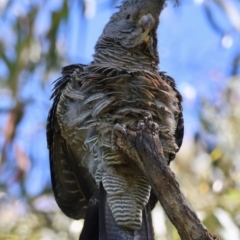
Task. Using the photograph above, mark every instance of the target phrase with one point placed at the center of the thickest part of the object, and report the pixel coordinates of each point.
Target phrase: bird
(91, 178)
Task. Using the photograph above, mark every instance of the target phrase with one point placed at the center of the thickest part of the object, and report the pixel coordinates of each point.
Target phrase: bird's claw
(147, 122)
(117, 130)
(120, 128)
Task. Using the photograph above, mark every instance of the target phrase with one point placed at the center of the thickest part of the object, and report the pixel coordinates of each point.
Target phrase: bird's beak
(147, 23)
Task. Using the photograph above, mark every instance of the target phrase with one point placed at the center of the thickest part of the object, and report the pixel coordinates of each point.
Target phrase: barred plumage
(121, 86)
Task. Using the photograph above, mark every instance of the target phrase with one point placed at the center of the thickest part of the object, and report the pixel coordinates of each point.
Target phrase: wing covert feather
(72, 183)
(179, 132)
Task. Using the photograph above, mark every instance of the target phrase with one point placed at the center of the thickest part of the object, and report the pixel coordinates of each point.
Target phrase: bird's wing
(179, 132)
(72, 184)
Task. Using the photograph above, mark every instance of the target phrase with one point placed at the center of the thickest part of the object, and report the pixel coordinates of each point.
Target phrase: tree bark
(145, 149)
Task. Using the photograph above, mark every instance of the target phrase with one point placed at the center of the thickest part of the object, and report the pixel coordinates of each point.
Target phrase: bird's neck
(108, 51)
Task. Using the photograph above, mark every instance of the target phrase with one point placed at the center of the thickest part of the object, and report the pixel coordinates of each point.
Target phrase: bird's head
(132, 28)
(133, 24)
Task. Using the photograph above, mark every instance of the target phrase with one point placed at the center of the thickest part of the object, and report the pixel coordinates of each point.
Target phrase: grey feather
(121, 86)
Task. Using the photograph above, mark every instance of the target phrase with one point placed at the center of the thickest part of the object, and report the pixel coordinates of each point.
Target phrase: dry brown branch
(144, 148)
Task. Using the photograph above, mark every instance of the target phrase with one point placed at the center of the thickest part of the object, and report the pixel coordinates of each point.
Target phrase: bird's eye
(128, 16)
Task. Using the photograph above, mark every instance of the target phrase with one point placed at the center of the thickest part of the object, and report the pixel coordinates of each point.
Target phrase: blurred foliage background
(38, 37)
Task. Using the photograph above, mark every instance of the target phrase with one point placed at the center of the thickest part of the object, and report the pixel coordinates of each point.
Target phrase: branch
(145, 149)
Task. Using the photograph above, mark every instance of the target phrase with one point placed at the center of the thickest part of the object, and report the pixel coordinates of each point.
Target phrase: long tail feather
(100, 224)
(90, 229)
(109, 230)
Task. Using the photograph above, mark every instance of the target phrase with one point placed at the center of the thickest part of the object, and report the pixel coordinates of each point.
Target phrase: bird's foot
(148, 123)
(117, 129)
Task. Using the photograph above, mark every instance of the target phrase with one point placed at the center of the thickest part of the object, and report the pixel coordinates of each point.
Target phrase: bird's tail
(101, 225)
